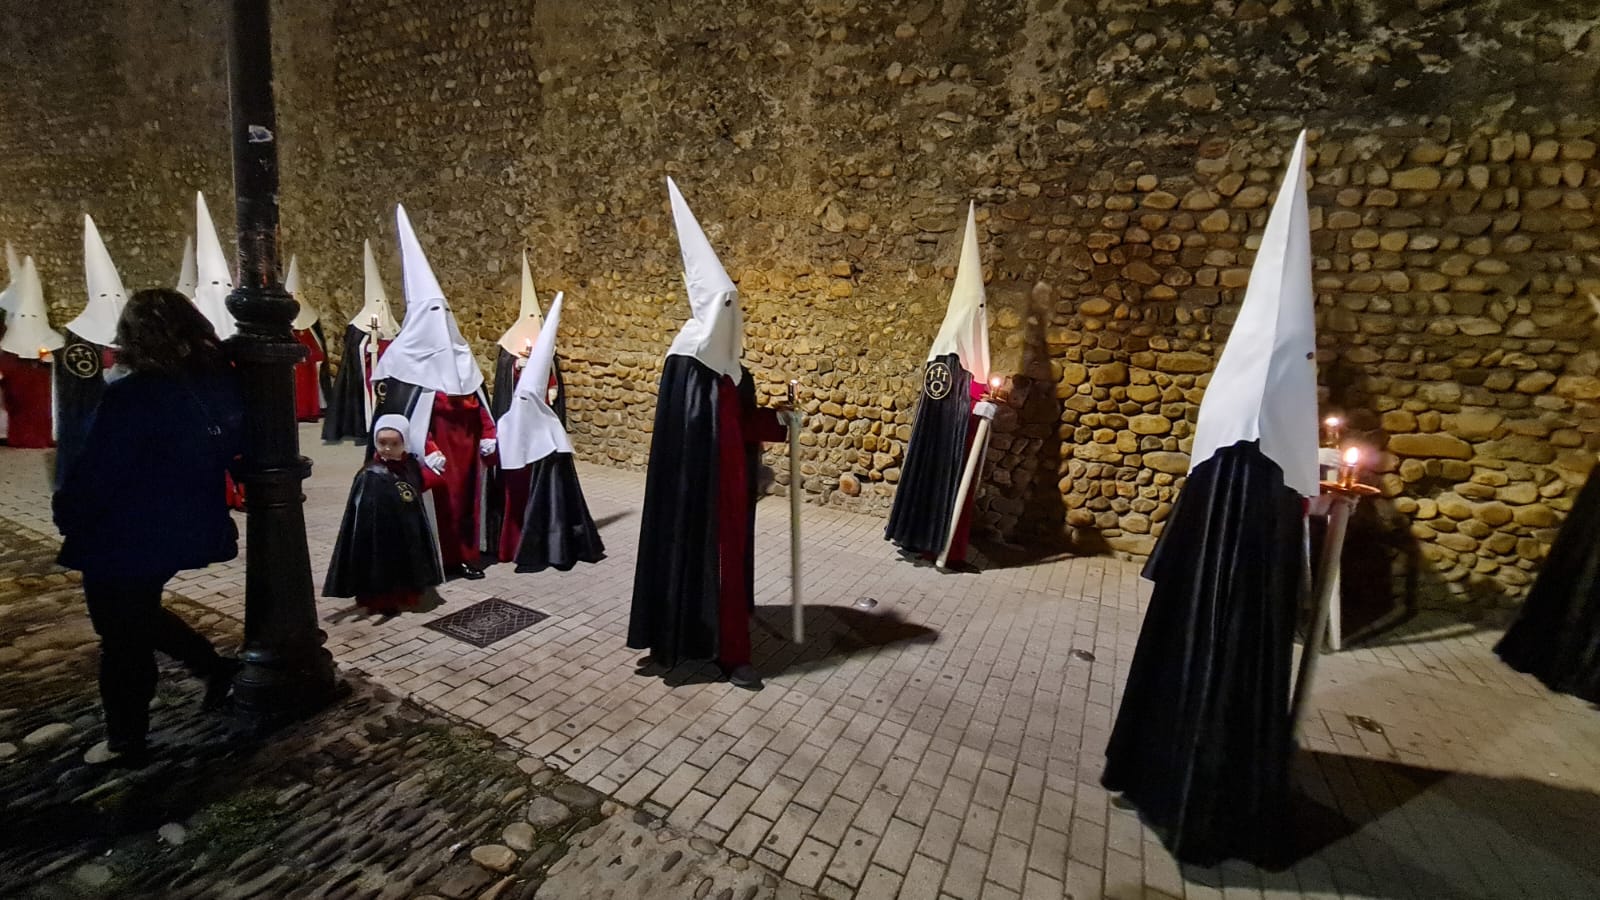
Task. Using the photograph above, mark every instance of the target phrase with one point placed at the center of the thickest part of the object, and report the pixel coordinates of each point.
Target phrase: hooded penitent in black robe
(386, 544)
(505, 384)
(346, 415)
(80, 380)
(925, 499)
(1212, 666)
(1556, 637)
(553, 529)
(677, 589)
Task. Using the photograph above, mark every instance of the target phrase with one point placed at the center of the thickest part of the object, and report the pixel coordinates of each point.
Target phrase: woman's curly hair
(161, 330)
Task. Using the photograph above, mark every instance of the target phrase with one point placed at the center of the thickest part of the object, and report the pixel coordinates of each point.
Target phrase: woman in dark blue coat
(146, 498)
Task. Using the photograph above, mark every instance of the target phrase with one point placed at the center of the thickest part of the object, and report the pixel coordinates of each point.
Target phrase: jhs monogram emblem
(938, 382)
(82, 360)
(407, 492)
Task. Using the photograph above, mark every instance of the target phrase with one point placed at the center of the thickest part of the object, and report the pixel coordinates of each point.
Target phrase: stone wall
(1123, 155)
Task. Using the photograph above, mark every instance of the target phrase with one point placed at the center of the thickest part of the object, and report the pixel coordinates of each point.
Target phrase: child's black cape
(386, 542)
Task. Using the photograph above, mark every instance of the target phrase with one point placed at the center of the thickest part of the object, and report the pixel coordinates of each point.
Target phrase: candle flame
(1332, 422)
(1352, 456)
(996, 381)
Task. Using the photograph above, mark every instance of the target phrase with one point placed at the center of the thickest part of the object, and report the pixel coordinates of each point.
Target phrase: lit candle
(527, 346)
(374, 322)
(43, 354)
(794, 387)
(1347, 468)
(994, 385)
(1335, 429)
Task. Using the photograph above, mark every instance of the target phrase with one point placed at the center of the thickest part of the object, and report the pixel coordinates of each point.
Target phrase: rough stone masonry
(1123, 154)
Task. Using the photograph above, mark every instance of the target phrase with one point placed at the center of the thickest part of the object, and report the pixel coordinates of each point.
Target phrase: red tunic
(458, 424)
(737, 427)
(399, 601)
(25, 389)
(307, 380)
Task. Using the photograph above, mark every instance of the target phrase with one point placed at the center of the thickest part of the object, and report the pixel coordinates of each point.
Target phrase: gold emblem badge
(407, 492)
(82, 360)
(381, 389)
(938, 382)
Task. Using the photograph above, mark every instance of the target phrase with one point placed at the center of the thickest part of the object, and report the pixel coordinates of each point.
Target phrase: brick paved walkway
(948, 741)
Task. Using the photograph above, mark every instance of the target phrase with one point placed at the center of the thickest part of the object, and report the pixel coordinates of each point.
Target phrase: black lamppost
(286, 671)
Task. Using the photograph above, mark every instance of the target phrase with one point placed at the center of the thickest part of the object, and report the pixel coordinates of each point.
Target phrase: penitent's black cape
(675, 587)
(1556, 637)
(385, 542)
(80, 380)
(346, 415)
(1203, 737)
(557, 530)
(505, 385)
(925, 499)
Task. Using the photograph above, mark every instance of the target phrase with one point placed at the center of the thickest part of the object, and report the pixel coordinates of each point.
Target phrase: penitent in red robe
(740, 429)
(457, 425)
(25, 387)
(307, 378)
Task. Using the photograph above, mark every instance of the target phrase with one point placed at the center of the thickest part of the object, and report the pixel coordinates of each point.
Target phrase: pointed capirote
(1265, 385)
(965, 330)
(525, 330)
(375, 314)
(429, 351)
(214, 282)
(307, 314)
(28, 332)
(97, 323)
(715, 332)
(530, 430)
(13, 274)
(416, 273)
(188, 278)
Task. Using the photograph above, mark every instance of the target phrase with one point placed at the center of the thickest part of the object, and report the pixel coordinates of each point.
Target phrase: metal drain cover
(487, 621)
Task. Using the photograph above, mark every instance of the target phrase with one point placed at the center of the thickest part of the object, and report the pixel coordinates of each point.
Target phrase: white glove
(789, 418)
(435, 461)
(487, 446)
(985, 409)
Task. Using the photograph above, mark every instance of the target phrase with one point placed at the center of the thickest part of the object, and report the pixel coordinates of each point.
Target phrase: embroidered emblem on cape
(82, 360)
(407, 492)
(381, 389)
(938, 382)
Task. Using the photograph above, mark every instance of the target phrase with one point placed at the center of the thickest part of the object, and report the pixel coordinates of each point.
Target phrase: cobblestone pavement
(948, 740)
(375, 797)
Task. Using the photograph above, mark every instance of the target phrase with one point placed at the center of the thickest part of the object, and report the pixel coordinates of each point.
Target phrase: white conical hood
(715, 333)
(525, 329)
(188, 278)
(13, 275)
(965, 331)
(97, 323)
(530, 430)
(377, 305)
(429, 351)
(1265, 384)
(215, 282)
(28, 327)
(307, 316)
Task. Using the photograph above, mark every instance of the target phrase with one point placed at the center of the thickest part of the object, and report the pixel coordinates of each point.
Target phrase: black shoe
(219, 684)
(470, 573)
(745, 677)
